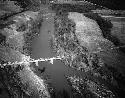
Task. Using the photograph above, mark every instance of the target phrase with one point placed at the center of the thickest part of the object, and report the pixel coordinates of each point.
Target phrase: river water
(41, 49)
(55, 72)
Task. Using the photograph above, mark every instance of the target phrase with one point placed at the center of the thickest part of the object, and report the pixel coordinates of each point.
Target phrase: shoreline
(19, 45)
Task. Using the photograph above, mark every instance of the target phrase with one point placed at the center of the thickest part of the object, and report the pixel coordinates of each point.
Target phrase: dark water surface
(55, 72)
(41, 49)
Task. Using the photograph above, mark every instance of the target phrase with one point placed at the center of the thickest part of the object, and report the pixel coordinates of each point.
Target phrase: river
(41, 49)
(56, 72)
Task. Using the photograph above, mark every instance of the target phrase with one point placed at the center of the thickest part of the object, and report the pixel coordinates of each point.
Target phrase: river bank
(80, 72)
(16, 47)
